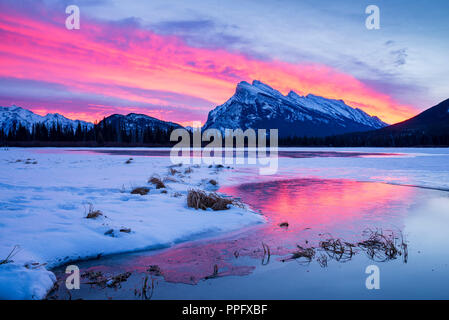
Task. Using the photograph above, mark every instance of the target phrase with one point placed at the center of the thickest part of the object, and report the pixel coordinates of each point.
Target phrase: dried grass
(306, 253)
(199, 199)
(266, 254)
(92, 213)
(13, 252)
(140, 190)
(380, 246)
(157, 182)
(337, 249)
(98, 278)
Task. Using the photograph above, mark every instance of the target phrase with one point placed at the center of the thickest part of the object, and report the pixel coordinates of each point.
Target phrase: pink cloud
(102, 57)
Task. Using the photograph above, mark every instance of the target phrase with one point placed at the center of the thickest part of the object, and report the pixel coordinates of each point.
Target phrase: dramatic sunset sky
(176, 60)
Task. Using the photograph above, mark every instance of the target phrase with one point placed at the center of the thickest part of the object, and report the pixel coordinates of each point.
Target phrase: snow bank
(18, 282)
(45, 197)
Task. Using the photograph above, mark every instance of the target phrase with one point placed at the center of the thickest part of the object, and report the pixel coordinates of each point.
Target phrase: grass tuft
(199, 199)
(140, 190)
(92, 213)
(157, 182)
(13, 252)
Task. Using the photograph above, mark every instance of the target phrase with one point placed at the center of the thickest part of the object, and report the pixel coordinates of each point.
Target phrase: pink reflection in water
(313, 208)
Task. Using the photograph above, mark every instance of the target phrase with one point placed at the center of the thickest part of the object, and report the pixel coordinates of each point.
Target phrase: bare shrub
(201, 200)
(13, 252)
(337, 249)
(140, 190)
(380, 246)
(92, 213)
(306, 253)
(157, 182)
(322, 260)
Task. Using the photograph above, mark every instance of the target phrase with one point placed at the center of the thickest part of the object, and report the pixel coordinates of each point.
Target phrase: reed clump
(199, 199)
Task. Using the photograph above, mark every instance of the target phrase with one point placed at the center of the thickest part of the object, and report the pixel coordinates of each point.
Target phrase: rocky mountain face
(257, 105)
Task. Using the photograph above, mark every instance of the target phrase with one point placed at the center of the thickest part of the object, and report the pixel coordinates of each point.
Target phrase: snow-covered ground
(44, 201)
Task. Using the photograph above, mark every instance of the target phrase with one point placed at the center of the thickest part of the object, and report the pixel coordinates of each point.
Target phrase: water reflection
(320, 215)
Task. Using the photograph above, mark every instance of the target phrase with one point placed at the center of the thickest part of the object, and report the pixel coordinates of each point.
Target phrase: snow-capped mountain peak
(12, 116)
(258, 105)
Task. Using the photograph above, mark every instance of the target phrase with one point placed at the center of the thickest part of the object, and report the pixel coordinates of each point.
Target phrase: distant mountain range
(301, 120)
(10, 116)
(257, 105)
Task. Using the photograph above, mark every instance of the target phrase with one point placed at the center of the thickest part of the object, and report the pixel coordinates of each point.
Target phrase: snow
(20, 283)
(43, 208)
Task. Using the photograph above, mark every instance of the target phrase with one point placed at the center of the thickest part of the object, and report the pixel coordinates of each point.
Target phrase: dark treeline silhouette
(100, 134)
(370, 139)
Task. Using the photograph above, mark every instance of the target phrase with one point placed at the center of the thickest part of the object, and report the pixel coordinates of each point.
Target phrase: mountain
(258, 106)
(134, 120)
(15, 115)
(433, 121)
(429, 128)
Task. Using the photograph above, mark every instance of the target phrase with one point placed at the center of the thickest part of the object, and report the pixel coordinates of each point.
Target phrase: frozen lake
(330, 203)
(309, 231)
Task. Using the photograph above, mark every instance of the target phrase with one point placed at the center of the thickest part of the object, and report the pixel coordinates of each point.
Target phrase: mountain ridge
(257, 105)
(10, 116)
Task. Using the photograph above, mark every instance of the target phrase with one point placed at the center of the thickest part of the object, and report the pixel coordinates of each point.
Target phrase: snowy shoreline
(45, 199)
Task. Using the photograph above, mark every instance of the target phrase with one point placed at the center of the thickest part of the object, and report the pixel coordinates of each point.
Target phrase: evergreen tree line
(103, 134)
(99, 134)
(414, 139)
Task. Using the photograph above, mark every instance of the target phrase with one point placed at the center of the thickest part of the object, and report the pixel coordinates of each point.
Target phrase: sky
(177, 60)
